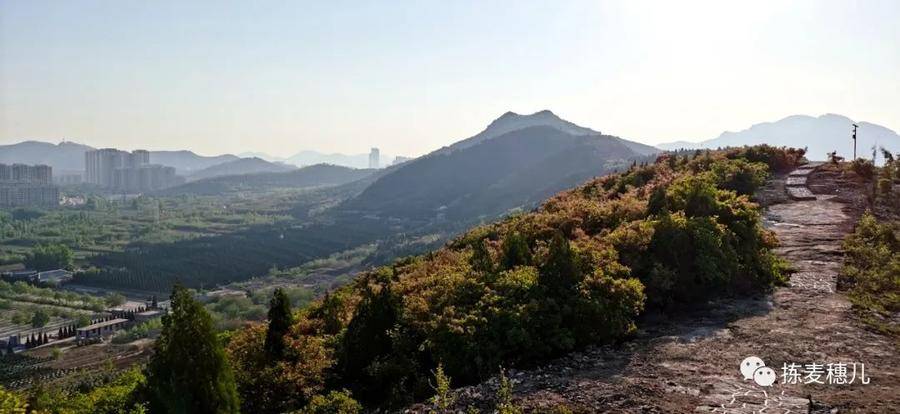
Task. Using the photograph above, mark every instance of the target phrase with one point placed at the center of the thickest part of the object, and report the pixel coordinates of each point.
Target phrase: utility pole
(854, 140)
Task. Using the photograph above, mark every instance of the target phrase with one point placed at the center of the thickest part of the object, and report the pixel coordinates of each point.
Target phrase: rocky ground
(690, 362)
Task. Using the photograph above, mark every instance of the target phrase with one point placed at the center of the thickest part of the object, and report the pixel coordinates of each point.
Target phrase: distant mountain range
(65, 156)
(240, 166)
(304, 158)
(69, 157)
(319, 175)
(517, 161)
(187, 162)
(820, 135)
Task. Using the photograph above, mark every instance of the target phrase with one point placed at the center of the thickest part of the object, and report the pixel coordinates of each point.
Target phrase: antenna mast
(854, 140)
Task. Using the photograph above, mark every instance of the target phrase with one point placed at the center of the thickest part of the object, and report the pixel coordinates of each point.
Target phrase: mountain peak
(543, 114)
(511, 121)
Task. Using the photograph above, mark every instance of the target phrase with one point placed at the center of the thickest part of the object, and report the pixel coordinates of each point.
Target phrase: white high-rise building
(374, 158)
(27, 185)
(101, 165)
(126, 171)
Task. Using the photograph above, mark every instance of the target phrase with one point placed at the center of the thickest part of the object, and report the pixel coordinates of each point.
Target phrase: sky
(413, 76)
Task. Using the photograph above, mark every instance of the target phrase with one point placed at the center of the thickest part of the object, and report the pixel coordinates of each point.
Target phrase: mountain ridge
(822, 134)
(465, 180)
(318, 175)
(68, 156)
(240, 166)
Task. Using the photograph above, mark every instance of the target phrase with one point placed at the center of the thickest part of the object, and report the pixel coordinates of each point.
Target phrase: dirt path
(690, 363)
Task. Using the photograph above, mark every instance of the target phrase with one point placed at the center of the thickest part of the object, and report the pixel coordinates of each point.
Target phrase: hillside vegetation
(578, 270)
(871, 271)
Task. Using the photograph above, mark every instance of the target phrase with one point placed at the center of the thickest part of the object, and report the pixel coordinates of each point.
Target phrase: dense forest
(149, 243)
(211, 261)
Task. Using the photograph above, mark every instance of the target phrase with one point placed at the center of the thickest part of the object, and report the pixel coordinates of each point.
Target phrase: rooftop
(102, 324)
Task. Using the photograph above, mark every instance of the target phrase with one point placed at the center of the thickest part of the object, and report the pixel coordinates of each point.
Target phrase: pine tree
(188, 372)
(367, 344)
(657, 202)
(515, 251)
(481, 259)
(560, 274)
(280, 321)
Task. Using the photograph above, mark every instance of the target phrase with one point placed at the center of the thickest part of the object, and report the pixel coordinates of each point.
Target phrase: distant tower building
(126, 171)
(27, 185)
(400, 160)
(374, 156)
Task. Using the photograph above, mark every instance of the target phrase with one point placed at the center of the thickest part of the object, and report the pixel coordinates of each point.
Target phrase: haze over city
(412, 77)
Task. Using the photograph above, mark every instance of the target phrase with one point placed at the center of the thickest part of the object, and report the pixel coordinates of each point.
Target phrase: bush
(117, 395)
(863, 168)
(779, 160)
(740, 176)
(12, 403)
(885, 186)
(142, 330)
(114, 299)
(335, 402)
(871, 271)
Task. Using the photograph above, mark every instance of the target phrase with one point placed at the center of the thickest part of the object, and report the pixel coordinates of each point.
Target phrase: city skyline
(411, 78)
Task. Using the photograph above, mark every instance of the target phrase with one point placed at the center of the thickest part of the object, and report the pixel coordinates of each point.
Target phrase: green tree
(280, 321)
(365, 358)
(560, 274)
(515, 251)
(39, 319)
(481, 259)
(188, 372)
(114, 299)
(49, 257)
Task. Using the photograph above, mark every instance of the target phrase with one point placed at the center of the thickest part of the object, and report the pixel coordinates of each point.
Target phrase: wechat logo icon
(753, 368)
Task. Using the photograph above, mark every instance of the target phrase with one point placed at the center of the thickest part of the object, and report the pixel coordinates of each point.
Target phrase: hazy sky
(412, 76)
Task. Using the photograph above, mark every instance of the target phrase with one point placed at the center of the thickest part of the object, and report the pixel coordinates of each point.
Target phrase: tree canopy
(188, 372)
